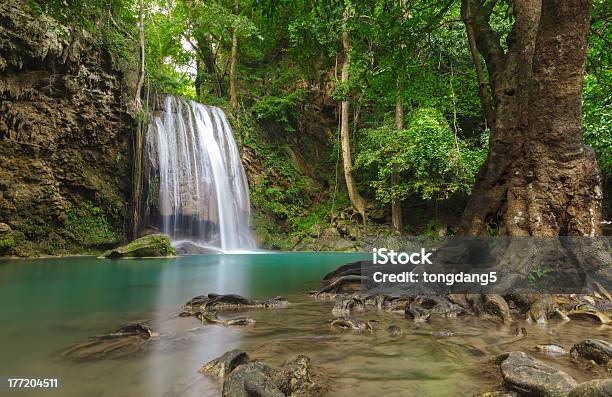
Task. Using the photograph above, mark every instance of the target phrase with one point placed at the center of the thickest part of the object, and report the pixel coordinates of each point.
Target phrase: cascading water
(195, 165)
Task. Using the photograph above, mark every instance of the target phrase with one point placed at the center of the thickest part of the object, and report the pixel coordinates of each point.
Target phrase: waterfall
(195, 166)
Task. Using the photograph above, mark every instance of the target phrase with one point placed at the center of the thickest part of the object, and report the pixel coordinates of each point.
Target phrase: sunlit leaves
(431, 162)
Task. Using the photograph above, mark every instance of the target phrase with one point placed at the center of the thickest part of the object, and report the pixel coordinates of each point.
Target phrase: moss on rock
(154, 245)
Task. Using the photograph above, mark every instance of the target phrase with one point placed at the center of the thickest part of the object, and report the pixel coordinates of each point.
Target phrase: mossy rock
(154, 245)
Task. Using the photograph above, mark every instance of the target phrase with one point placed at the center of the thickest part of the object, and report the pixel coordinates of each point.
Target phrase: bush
(429, 160)
(89, 226)
(281, 109)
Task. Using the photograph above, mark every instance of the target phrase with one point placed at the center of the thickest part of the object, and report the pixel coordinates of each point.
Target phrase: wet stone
(593, 349)
(593, 388)
(225, 364)
(532, 377)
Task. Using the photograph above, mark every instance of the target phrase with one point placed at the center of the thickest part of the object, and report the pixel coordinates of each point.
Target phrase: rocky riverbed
(519, 345)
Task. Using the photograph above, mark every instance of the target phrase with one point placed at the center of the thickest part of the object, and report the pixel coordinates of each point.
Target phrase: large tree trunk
(563, 194)
(397, 218)
(233, 98)
(356, 200)
(540, 179)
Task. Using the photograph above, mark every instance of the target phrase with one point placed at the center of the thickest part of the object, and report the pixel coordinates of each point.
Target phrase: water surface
(49, 305)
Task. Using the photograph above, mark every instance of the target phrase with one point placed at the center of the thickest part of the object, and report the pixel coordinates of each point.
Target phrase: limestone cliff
(65, 136)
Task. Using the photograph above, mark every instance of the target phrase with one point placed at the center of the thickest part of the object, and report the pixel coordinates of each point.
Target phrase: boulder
(532, 377)
(128, 340)
(294, 377)
(151, 246)
(252, 379)
(222, 366)
(593, 349)
(593, 388)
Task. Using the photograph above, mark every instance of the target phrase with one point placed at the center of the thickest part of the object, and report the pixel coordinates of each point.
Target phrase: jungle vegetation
(436, 103)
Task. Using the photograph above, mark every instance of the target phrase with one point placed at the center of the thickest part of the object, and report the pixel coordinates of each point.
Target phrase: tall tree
(539, 177)
(356, 199)
(138, 139)
(233, 97)
(466, 15)
(397, 218)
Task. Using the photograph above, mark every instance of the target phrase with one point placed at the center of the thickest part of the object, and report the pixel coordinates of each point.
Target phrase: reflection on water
(51, 304)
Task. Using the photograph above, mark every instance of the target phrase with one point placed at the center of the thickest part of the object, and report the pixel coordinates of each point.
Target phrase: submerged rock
(543, 309)
(228, 303)
(498, 393)
(222, 366)
(252, 379)
(586, 312)
(212, 317)
(551, 349)
(128, 340)
(395, 331)
(351, 323)
(593, 388)
(532, 377)
(342, 285)
(153, 245)
(423, 307)
(593, 349)
(247, 379)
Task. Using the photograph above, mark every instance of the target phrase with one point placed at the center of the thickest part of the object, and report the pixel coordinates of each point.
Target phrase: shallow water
(49, 305)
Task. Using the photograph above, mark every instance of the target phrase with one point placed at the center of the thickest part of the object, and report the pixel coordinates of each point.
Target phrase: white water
(203, 190)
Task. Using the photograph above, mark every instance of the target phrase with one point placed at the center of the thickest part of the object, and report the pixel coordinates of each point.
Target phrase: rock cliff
(65, 133)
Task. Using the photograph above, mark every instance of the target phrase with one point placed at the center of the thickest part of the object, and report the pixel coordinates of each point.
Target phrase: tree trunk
(207, 56)
(396, 205)
(563, 194)
(356, 200)
(138, 139)
(482, 88)
(233, 98)
(198, 80)
(539, 177)
(141, 71)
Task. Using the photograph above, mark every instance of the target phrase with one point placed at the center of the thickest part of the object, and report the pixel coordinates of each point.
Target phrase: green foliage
(89, 226)
(538, 274)
(281, 109)
(111, 22)
(597, 105)
(429, 159)
(289, 56)
(341, 91)
(7, 244)
(598, 120)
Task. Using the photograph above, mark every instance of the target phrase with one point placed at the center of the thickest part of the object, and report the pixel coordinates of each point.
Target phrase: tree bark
(563, 194)
(539, 178)
(141, 71)
(397, 218)
(483, 93)
(138, 139)
(206, 54)
(356, 200)
(233, 98)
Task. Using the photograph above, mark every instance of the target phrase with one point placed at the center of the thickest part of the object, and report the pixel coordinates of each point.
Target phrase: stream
(52, 304)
